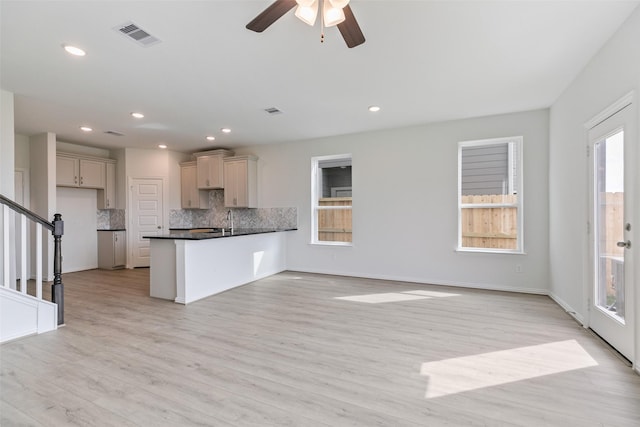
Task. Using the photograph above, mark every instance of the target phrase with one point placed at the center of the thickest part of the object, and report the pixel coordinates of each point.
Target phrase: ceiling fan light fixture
(305, 3)
(332, 15)
(308, 14)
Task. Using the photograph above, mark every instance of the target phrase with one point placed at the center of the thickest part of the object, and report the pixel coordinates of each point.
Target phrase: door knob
(626, 244)
(159, 227)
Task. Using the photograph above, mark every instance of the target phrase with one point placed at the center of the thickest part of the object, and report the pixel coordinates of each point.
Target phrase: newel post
(57, 288)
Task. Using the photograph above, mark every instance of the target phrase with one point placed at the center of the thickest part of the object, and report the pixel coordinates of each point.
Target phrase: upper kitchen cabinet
(72, 171)
(107, 197)
(241, 182)
(210, 171)
(190, 196)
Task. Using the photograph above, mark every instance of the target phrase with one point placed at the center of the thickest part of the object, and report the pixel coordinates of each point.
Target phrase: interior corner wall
(611, 74)
(405, 209)
(42, 175)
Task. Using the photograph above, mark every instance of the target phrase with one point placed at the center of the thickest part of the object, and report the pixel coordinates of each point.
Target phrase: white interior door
(146, 217)
(611, 303)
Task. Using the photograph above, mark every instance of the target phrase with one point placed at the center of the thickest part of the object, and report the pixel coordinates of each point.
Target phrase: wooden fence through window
(334, 225)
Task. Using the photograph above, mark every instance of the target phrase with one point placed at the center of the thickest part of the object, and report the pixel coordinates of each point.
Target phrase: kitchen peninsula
(186, 267)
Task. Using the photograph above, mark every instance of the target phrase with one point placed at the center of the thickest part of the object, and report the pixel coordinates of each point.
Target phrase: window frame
(519, 205)
(316, 191)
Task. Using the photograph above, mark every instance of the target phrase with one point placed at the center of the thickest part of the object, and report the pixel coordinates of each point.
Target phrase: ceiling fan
(334, 12)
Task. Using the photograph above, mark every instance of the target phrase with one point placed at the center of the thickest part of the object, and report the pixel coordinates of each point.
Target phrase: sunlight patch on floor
(396, 296)
(502, 367)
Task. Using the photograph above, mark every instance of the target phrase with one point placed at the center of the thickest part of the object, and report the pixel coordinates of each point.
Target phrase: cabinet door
(191, 197)
(240, 180)
(67, 172)
(230, 182)
(119, 249)
(210, 172)
(187, 185)
(92, 173)
(203, 166)
(107, 198)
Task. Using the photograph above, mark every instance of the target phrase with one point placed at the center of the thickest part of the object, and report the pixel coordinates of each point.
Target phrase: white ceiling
(423, 61)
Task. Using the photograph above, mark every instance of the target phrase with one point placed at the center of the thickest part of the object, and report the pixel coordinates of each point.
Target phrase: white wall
(22, 152)
(7, 156)
(42, 173)
(80, 241)
(405, 203)
(7, 166)
(612, 73)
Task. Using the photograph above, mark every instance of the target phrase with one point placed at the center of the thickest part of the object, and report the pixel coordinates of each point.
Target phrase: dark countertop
(204, 236)
(113, 229)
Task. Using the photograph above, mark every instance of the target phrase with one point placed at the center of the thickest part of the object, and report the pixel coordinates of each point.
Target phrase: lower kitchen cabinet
(112, 249)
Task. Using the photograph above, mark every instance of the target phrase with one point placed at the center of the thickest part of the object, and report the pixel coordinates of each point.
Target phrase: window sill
(490, 251)
(345, 244)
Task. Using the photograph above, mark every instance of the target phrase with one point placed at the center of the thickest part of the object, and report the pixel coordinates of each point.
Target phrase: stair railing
(57, 229)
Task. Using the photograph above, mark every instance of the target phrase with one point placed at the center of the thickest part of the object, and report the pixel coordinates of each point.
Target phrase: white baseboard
(566, 307)
(425, 281)
(23, 315)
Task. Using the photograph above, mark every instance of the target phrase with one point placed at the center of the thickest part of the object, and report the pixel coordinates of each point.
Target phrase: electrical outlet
(519, 268)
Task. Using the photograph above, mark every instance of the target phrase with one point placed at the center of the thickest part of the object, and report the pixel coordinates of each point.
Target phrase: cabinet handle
(107, 202)
(75, 179)
(207, 183)
(81, 180)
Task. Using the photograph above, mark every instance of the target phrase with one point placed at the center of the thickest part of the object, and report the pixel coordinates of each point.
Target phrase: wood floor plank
(285, 351)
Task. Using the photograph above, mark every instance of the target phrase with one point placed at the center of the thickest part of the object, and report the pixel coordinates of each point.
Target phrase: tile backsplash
(216, 216)
(111, 219)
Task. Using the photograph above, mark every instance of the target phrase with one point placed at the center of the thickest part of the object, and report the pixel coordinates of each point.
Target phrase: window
(331, 200)
(490, 195)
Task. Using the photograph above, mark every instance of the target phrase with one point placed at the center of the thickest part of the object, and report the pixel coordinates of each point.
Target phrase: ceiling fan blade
(350, 30)
(270, 15)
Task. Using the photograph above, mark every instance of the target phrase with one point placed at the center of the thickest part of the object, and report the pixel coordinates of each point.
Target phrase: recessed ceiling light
(374, 108)
(137, 115)
(85, 128)
(225, 130)
(162, 146)
(211, 138)
(74, 50)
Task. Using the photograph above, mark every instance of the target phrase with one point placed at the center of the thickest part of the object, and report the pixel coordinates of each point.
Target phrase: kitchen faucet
(230, 219)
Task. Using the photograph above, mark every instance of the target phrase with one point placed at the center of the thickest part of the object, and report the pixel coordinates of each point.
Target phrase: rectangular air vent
(113, 132)
(273, 110)
(136, 34)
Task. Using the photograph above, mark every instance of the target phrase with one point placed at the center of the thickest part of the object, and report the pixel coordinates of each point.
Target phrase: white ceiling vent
(136, 34)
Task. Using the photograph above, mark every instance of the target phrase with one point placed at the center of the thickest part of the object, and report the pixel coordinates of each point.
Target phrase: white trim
(568, 309)
(612, 109)
(519, 142)
(426, 281)
(316, 191)
(490, 251)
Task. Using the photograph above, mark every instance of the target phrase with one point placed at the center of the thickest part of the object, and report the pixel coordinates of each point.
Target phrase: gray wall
(405, 203)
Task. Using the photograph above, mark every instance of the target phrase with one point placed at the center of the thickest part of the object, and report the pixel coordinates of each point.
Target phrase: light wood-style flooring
(283, 351)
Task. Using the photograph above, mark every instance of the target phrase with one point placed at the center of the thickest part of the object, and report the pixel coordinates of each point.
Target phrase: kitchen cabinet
(241, 182)
(191, 197)
(209, 165)
(78, 172)
(112, 249)
(107, 197)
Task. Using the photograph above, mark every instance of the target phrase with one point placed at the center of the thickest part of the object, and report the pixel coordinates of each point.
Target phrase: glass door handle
(626, 244)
